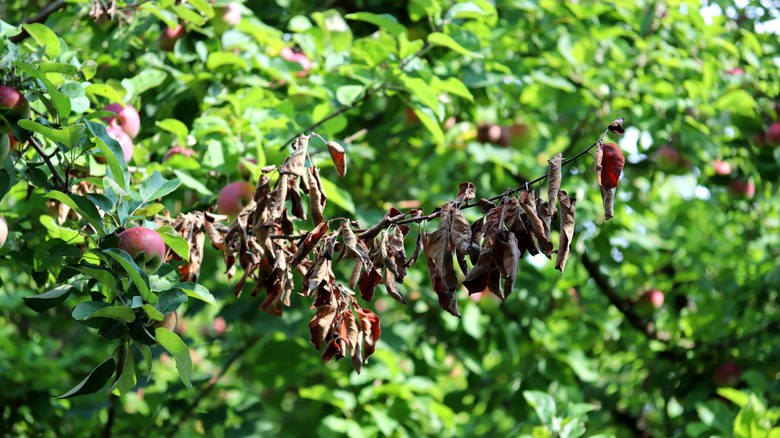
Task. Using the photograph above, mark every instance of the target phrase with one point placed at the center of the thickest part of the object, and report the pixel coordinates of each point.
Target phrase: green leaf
(152, 312)
(82, 311)
(218, 59)
(137, 275)
(94, 381)
(384, 21)
(44, 37)
(346, 94)
(61, 102)
(193, 183)
(423, 91)
(738, 397)
(145, 80)
(104, 90)
(119, 313)
(99, 273)
(146, 352)
(126, 381)
(47, 300)
(178, 349)
(149, 210)
(116, 158)
(196, 291)
(53, 252)
(82, 206)
(338, 196)
(176, 127)
(170, 300)
(67, 135)
(428, 120)
(203, 6)
(155, 186)
(543, 403)
(457, 87)
(442, 40)
(58, 67)
(175, 242)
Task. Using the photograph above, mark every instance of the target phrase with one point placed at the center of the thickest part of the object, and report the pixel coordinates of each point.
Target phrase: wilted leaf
(295, 164)
(339, 157)
(320, 325)
(355, 247)
(308, 243)
(320, 271)
(608, 198)
(553, 182)
(616, 128)
(392, 288)
(391, 215)
(612, 164)
(418, 247)
(528, 203)
(567, 229)
(368, 282)
(317, 196)
(466, 192)
(485, 206)
(369, 325)
(355, 275)
(507, 257)
(436, 254)
(351, 335)
(357, 355)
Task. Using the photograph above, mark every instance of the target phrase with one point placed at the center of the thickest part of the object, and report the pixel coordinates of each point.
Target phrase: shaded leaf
(49, 299)
(320, 325)
(553, 182)
(567, 229)
(528, 203)
(178, 349)
(94, 381)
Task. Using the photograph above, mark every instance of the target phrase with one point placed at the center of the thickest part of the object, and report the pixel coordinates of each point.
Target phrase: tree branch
(40, 18)
(53, 169)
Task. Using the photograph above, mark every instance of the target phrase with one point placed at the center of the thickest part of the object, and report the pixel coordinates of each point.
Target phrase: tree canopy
(511, 218)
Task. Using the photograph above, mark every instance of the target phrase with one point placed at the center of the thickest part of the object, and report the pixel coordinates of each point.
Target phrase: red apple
(169, 36)
(773, 134)
(226, 17)
(220, 325)
(736, 71)
(727, 374)
(740, 189)
(670, 161)
(759, 139)
(13, 100)
(289, 55)
(141, 239)
(654, 298)
(494, 134)
(721, 167)
(234, 197)
(177, 150)
(124, 140)
(126, 118)
(242, 169)
(3, 231)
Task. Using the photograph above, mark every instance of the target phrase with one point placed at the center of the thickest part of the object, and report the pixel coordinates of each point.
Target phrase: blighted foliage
(268, 246)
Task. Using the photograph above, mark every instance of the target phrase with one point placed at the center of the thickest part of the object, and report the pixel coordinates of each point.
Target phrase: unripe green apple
(141, 239)
(234, 197)
(14, 100)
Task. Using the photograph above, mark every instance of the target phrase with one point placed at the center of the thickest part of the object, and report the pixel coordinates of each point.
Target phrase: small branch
(40, 18)
(46, 158)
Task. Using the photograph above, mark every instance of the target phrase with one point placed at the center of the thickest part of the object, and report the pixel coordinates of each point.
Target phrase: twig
(40, 18)
(46, 158)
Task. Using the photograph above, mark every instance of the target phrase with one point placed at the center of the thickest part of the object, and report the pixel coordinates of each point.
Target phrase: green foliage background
(566, 354)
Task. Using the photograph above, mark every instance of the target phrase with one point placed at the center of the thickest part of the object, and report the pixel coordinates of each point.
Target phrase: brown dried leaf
(543, 212)
(368, 282)
(298, 209)
(456, 227)
(512, 219)
(608, 198)
(308, 243)
(418, 246)
(388, 279)
(355, 247)
(355, 275)
(485, 206)
(507, 256)
(295, 164)
(567, 229)
(317, 196)
(339, 157)
(391, 215)
(357, 356)
(369, 325)
(350, 330)
(466, 192)
(319, 272)
(528, 203)
(321, 325)
(553, 182)
(436, 249)
(616, 128)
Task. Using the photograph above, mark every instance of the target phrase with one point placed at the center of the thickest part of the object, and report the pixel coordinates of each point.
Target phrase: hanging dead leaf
(319, 272)
(607, 194)
(392, 215)
(369, 325)
(612, 164)
(357, 356)
(485, 206)
(368, 282)
(447, 298)
(308, 243)
(466, 192)
(418, 246)
(355, 247)
(528, 203)
(507, 257)
(317, 196)
(355, 275)
(553, 182)
(339, 157)
(567, 229)
(616, 128)
(321, 325)
(388, 279)
(295, 164)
